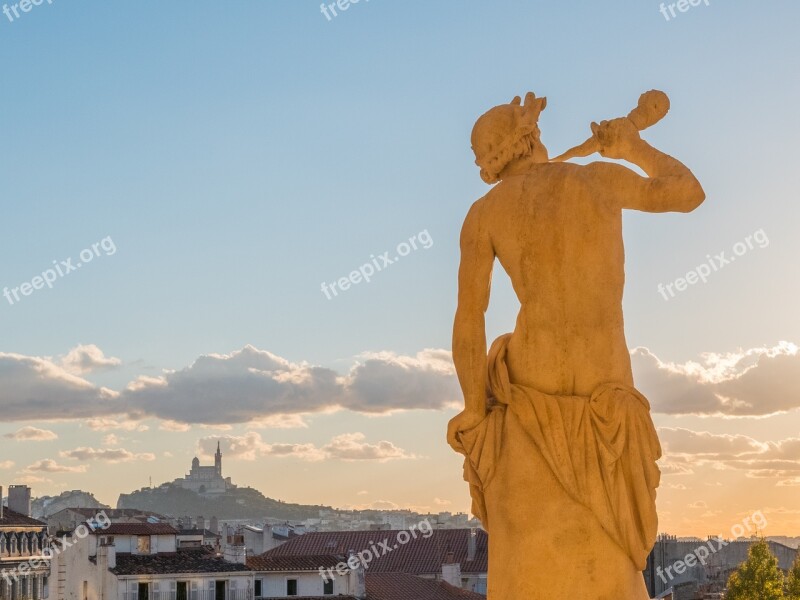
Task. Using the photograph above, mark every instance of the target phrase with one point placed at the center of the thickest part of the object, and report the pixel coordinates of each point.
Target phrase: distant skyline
(239, 158)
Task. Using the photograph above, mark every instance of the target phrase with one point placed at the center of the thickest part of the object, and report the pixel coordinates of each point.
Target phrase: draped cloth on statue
(602, 451)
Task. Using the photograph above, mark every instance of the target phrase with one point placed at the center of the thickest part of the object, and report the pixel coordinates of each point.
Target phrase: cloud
(110, 439)
(105, 424)
(347, 447)
(48, 465)
(724, 451)
(749, 383)
(352, 447)
(265, 390)
(85, 359)
(33, 434)
(36, 389)
(6, 464)
(258, 386)
(174, 426)
(441, 502)
(110, 455)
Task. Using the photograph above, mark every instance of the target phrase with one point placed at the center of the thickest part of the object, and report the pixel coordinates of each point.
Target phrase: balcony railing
(190, 595)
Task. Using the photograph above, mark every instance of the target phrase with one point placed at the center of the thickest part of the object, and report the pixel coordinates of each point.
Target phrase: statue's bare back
(560, 241)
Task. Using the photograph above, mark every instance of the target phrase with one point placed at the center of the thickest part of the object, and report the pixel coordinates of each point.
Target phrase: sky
(211, 166)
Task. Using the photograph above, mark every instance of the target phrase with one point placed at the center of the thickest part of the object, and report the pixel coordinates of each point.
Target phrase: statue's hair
(518, 142)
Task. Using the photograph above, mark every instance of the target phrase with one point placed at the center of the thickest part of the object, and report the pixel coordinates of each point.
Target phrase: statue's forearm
(656, 163)
(674, 185)
(469, 356)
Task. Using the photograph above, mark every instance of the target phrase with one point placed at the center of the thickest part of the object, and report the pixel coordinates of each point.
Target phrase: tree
(758, 578)
(793, 581)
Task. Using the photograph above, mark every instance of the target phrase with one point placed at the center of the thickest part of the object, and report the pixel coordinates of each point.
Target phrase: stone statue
(560, 450)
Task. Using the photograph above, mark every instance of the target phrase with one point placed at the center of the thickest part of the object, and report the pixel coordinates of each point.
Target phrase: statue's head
(508, 133)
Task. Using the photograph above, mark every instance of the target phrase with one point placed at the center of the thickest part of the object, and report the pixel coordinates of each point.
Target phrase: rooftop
(15, 519)
(418, 556)
(402, 586)
(174, 562)
(137, 529)
(294, 563)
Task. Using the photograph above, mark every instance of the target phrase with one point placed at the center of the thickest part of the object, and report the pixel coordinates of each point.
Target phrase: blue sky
(241, 154)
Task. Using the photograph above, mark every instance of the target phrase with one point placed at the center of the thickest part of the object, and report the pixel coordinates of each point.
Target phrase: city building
(69, 518)
(24, 568)
(457, 556)
(143, 561)
(707, 572)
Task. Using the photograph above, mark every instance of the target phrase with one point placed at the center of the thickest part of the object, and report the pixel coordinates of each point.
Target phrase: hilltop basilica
(206, 480)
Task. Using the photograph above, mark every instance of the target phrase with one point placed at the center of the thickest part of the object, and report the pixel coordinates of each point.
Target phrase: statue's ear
(542, 104)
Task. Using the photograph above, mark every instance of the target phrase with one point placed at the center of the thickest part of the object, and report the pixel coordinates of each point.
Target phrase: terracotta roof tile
(419, 556)
(402, 586)
(137, 529)
(174, 562)
(15, 519)
(294, 563)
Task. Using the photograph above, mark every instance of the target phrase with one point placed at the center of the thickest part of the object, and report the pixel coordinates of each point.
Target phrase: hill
(238, 503)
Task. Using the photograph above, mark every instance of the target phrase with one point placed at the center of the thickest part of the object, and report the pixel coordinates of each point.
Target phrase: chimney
(451, 570)
(19, 499)
(201, 522)
(471, 542)
(235, 550)
(106, 554)
(214, 526)
(358, 582)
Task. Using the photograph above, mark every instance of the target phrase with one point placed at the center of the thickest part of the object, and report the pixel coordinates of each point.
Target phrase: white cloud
(110, 455)
(259, 386)
(83, 359)
(267, 391)
(347, 447)
(6, 464)
(110, 439)
(33, 434)
(36, 389)
(105, 424)
(48, 465)
(441, 502)
(750, 383)
(723, 451)
(174, 426)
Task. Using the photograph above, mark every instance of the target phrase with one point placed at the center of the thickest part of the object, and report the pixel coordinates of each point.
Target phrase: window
(144, 592)
(291, 587)
(258, 588)
(143, 544)
(85, 590)
(327, 587)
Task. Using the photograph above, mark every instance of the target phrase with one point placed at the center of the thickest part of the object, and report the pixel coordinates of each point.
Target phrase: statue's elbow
(698, 196)
(693, 197)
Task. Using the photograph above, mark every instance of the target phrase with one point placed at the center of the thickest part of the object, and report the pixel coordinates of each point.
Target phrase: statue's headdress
(504, 133)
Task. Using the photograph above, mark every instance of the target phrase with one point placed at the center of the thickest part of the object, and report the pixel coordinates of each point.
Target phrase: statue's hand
(463, 421)
(617, 138)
